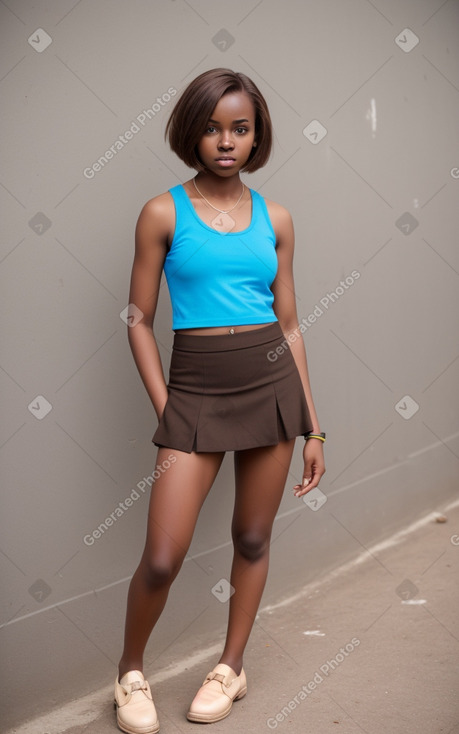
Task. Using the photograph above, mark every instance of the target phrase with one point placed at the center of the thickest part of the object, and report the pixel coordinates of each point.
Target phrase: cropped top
(220, 278)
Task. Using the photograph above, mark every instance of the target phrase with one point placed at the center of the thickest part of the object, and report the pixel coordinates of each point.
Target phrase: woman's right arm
(153, 231)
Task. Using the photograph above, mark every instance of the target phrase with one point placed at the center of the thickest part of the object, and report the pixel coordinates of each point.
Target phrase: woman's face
(230, 135)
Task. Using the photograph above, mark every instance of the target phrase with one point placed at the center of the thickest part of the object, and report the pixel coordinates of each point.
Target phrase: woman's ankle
(234, 663)
(126, 667)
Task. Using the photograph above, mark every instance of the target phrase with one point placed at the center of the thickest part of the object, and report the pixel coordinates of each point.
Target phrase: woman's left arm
(285, 309)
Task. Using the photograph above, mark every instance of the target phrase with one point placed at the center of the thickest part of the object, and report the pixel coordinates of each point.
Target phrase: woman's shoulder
(159, 209)
(157, 218)
(159, 205)
(280, 216)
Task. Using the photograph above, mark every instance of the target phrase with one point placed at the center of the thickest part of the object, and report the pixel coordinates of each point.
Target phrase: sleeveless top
(218, 278)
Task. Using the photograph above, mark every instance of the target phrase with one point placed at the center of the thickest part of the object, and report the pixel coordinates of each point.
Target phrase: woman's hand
(314, 466)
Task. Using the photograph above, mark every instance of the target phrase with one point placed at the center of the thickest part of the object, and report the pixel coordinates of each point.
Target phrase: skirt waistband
(227, 342)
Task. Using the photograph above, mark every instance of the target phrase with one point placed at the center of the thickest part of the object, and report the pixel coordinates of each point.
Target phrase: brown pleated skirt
(232, 392)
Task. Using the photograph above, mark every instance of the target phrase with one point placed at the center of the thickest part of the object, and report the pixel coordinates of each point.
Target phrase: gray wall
(375, 205)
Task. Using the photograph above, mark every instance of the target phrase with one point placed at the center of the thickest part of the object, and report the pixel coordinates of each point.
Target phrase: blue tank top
(217, 278)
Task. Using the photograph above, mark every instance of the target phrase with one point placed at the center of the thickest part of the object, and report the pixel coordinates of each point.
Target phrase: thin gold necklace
(222, 211)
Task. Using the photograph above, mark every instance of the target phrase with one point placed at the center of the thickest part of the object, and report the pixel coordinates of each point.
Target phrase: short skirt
(231, 392)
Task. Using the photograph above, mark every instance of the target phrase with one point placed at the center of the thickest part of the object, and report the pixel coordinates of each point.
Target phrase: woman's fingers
(314, 469)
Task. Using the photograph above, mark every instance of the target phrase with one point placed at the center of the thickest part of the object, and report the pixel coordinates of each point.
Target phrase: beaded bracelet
(311, 434)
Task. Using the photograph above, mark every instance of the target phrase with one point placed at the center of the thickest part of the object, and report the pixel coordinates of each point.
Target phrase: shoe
(215, 698)
(135, 710)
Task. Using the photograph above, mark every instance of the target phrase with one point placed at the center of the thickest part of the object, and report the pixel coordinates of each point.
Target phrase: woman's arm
(153, 231)
(286, 312)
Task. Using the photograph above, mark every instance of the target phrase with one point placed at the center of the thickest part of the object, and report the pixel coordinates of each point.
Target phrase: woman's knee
(160, 570)
(251, 544)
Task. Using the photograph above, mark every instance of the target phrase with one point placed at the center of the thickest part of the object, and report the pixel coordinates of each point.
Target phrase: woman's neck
(219, 186)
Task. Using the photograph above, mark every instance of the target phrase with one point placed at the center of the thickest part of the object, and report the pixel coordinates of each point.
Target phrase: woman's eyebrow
(234, 121)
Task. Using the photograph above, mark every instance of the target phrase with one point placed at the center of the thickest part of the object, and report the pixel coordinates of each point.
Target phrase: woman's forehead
(233, 106)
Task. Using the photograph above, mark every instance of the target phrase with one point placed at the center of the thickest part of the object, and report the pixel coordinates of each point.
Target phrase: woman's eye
(239, 130)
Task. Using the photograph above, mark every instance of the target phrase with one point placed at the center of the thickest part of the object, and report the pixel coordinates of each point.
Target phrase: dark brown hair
(190, 116)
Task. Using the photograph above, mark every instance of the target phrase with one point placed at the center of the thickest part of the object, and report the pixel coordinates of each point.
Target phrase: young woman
(237, 381)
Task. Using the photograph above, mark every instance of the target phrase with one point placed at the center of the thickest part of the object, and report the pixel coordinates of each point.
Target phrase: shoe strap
(138, 685)
(223, 679)
(127, 691)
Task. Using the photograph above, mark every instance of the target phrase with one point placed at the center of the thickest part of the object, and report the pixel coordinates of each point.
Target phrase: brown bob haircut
(190, 116)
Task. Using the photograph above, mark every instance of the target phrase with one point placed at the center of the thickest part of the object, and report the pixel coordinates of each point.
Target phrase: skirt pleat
(232, 392)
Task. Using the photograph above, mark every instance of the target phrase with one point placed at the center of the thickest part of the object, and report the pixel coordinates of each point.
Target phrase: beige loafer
(215, 698)
(135, 710)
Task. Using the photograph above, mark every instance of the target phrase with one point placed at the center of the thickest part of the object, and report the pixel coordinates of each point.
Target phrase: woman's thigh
(261, 475)
(176, 499)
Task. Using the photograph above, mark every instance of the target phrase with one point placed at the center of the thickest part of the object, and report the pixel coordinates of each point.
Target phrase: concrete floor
(373, 648)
